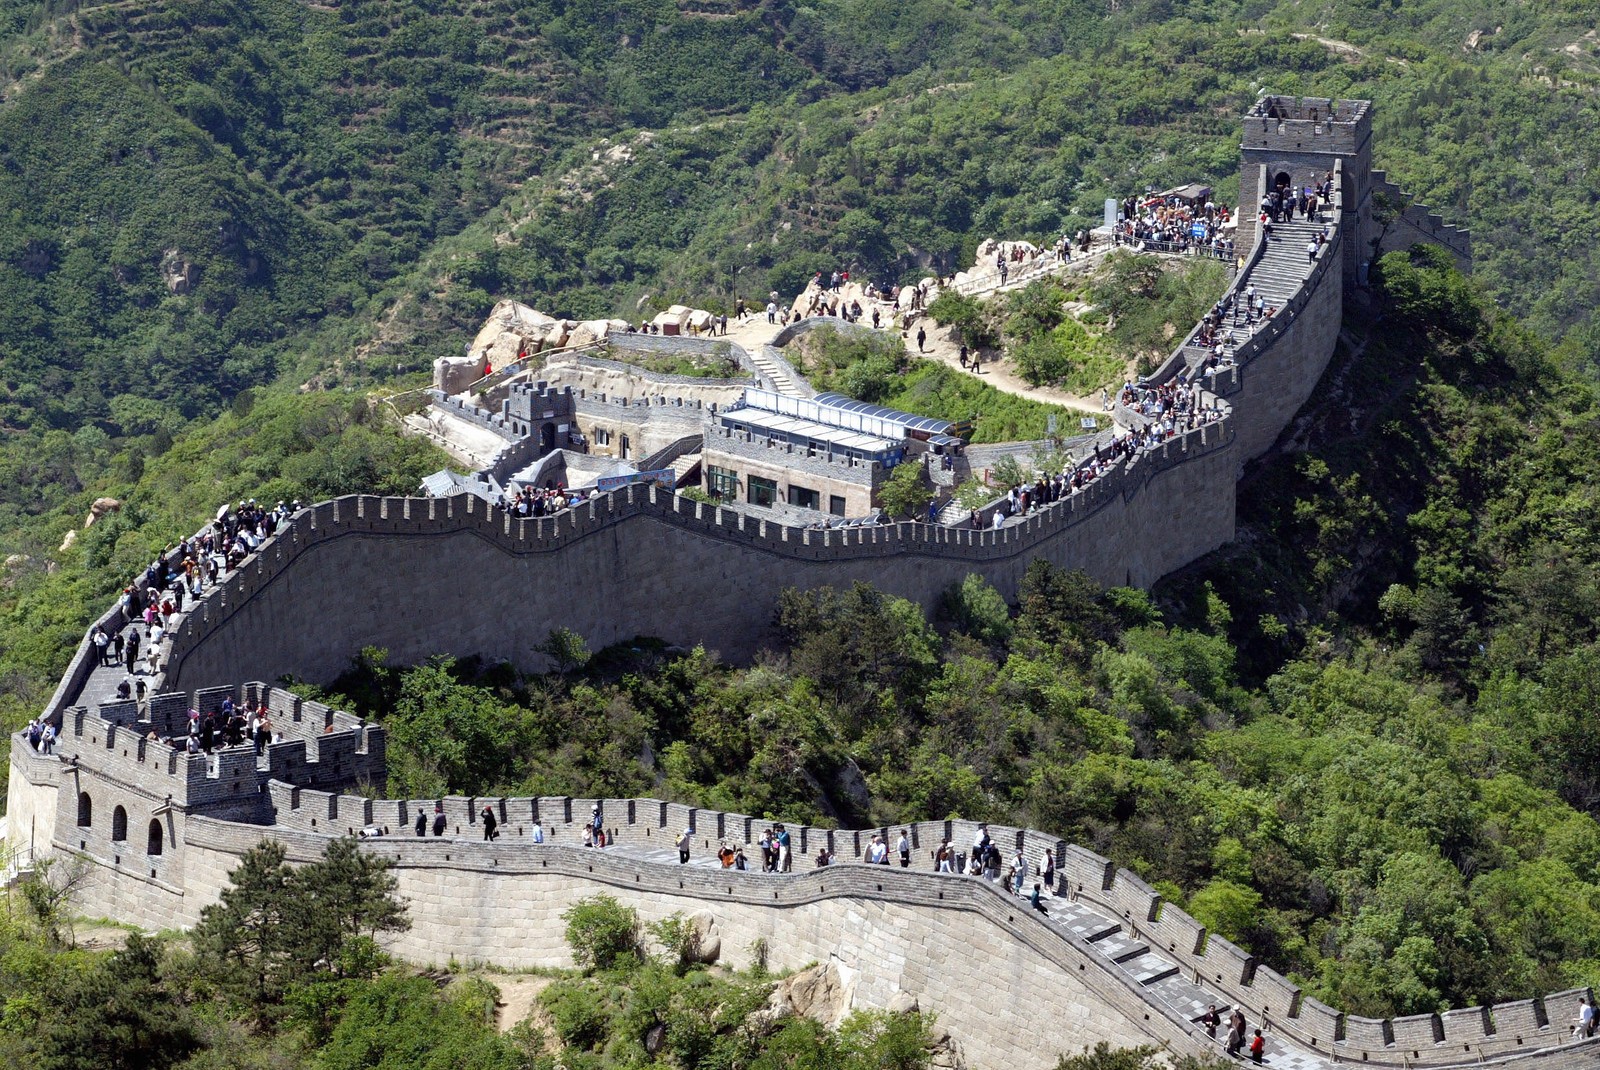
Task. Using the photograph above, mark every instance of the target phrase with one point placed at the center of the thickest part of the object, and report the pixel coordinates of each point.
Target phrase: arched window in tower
(85, 810)
(119, 824)
(154, 846)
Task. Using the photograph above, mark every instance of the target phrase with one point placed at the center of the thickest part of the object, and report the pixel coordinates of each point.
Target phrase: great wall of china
(162, 828)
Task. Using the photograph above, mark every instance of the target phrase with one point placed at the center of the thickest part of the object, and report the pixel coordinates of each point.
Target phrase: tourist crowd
(230, 725)
(531, 501)
(1172, 224)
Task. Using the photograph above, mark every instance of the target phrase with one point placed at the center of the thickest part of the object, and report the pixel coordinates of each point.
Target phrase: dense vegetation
(878, 368)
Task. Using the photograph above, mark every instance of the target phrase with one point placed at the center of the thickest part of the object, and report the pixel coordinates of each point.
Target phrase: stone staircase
(1163, 981)
(771, 373)
(1283, 266)
(683, 466)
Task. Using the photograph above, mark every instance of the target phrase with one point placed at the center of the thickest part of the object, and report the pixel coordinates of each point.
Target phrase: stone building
(829, 454)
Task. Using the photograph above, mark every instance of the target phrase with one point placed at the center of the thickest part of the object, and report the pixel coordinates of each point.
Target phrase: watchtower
(1294, 141)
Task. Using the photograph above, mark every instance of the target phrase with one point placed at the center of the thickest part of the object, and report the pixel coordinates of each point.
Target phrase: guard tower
(1294, 141)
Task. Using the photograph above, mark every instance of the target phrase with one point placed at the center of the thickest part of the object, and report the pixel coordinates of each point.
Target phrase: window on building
(85, 810)
(835, 505)
(153, 847)
(119, 824)
(804, 497)
(722, 484)
(763, 491)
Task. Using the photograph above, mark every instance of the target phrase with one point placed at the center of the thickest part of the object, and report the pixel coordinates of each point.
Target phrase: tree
(566, 648)
(977, 609)
(117, 1015)
(48, 893)
(405, 1021)
(904, 493)
(277, 925)
(602, 933)
(967, 315)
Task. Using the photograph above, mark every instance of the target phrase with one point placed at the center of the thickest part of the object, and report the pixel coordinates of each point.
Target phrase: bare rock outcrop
(707, 946)
(822, 993)
(179, 273)
(99, 508)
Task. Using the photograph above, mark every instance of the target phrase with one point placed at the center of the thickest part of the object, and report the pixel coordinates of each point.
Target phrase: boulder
(14, 565)
(821, 993)
(903, 1003)
(452, 375)
(707, 945)
(851, 785)
(700, 319)
(675, 316)
(944, 1051)
(68, 542)
(99, 508)
(180, 275)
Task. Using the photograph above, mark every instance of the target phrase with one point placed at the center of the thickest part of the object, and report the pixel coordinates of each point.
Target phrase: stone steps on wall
(683, 466)
(1283, 266)
(770, 372)
(1149, 968)
(1119, 946)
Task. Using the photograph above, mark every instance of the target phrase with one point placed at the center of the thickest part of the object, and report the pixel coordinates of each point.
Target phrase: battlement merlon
(1308, 124)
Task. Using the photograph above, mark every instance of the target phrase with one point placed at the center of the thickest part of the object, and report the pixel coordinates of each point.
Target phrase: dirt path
(941, 346)
(518, 997)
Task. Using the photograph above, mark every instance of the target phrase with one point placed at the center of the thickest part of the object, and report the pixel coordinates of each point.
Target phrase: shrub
(602, 933)
(679, 939)
(967, 315)
(578, 1014)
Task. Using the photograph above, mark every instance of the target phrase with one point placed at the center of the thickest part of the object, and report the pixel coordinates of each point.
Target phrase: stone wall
(1403, 223)
(1012, 991)
(360, 568)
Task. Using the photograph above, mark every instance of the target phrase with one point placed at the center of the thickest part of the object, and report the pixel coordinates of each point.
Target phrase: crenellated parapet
(1129, 960)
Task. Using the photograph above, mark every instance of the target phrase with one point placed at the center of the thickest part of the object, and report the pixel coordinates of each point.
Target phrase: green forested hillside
(1361, 741)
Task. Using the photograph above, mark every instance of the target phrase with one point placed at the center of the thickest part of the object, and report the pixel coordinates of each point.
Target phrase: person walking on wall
(439, 821)
(683, 846)
(1258, 1048)
(904, 847)
(1584, 1026)
(922, 336)
(1210, 1020)
(422, 822)
(785, 859)
(490, 825)
(1235, 1033)
(1033, 901)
